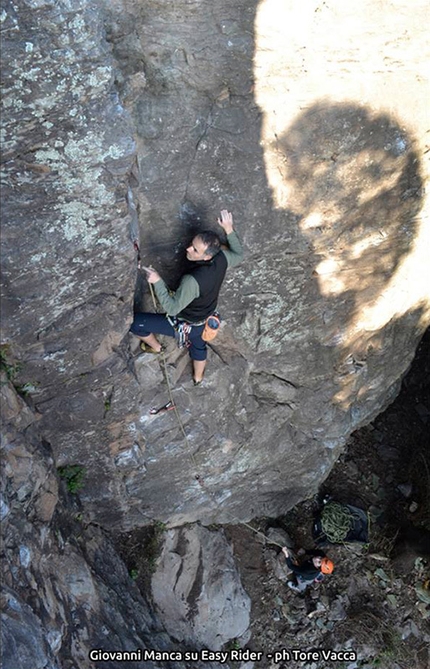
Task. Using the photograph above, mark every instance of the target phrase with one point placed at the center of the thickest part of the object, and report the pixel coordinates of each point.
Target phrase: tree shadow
(355, 181)
(354, 192)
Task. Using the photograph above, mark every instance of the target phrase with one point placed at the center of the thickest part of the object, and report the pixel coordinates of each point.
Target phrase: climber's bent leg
(146, 324)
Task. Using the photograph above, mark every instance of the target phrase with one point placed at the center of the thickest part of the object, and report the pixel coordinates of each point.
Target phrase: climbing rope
(336, 521)
(169, 390)
(197, 476)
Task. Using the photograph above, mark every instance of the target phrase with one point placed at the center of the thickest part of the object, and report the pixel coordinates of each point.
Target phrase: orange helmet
(327, 566)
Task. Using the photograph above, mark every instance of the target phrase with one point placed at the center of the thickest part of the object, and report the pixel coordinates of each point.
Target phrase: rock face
(119, 116)
(65, 591)
(197, 589)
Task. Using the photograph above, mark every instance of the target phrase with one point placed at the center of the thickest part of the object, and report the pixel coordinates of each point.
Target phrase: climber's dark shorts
(145, 324)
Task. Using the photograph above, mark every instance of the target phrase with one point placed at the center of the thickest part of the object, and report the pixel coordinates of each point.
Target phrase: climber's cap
(327, 566)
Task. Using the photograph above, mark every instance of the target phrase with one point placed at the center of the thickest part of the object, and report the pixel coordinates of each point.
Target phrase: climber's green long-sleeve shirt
(189, 289)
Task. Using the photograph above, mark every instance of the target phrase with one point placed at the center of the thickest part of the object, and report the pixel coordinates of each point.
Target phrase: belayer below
(195, 301)
(309, 571)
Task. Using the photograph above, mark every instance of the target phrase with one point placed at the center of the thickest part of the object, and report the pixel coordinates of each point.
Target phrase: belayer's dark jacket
(306, 571)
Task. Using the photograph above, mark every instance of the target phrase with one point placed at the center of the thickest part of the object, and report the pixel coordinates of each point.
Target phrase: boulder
(197, 590)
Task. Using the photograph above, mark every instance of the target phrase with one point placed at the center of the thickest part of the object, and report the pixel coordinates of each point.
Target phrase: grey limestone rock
(124, 123)
(197, 590)
(65, 590)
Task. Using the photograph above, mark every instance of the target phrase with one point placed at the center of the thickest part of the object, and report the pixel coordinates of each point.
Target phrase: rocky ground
(376, 602)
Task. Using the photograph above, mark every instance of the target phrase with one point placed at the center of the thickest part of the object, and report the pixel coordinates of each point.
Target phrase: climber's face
(197, 250)
(317, 561)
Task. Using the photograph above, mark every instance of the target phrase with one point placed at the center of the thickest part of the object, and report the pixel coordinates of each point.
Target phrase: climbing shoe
(145, 348)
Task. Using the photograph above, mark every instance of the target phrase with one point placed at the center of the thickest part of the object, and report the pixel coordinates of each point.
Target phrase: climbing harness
(182, 331)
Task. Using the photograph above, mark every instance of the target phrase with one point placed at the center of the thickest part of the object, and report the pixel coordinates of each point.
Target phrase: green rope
(336, 522)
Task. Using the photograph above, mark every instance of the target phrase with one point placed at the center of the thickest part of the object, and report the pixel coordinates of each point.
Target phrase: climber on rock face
(196, 297)
(309, 571)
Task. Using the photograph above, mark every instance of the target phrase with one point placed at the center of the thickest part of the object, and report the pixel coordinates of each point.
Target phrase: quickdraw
(182, 331)
(166, 407)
